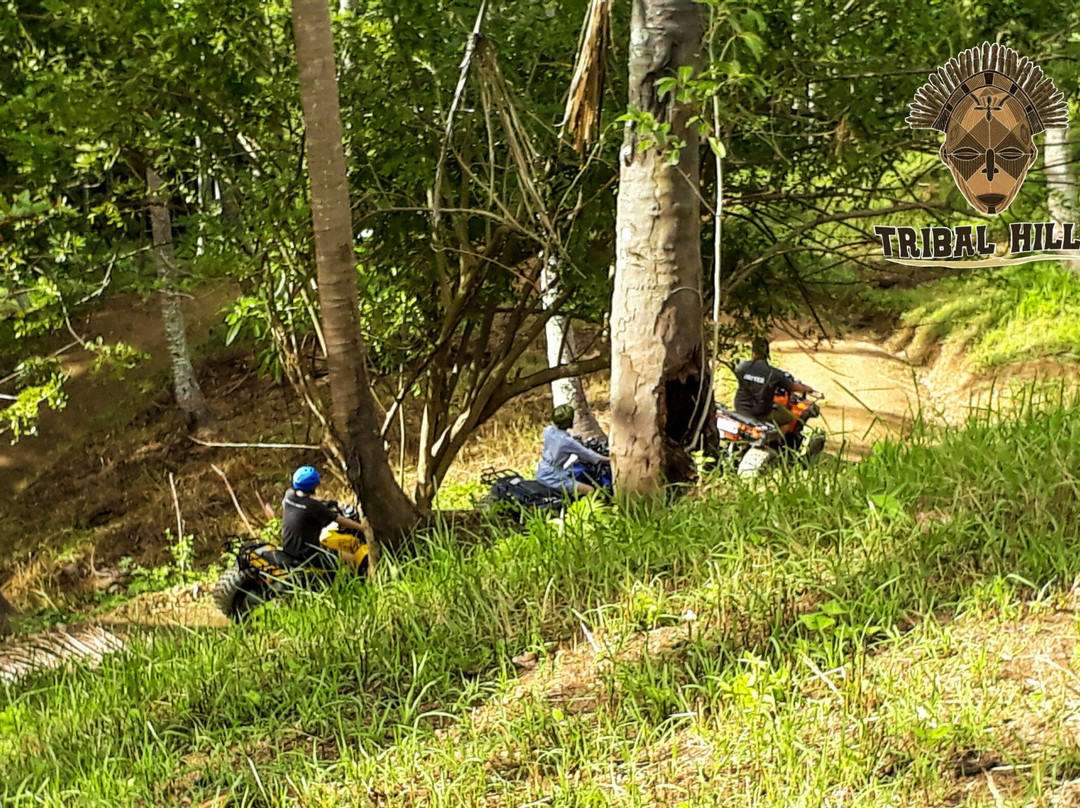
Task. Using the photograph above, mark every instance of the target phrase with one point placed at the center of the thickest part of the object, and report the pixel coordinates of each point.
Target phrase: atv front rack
(492, 475)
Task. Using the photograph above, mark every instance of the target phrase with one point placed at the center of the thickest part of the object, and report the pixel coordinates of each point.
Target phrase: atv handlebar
(347, 510)
(812, 393)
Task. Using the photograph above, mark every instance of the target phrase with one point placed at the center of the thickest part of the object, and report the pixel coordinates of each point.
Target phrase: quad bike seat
(278, 558)
(748, 420)
(535, 488)
(506, 484)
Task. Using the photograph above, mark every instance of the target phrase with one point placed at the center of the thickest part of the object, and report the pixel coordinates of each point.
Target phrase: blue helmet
(305, 478)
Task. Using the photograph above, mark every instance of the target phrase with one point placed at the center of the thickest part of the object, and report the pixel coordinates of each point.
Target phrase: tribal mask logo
(990, 102)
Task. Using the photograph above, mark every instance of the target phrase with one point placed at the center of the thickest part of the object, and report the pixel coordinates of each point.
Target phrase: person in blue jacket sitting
(556, 459)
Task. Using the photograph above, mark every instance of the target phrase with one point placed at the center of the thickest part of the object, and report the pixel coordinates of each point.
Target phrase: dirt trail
(870, 393)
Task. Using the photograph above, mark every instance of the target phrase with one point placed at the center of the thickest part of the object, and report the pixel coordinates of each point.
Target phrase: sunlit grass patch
(999, 317)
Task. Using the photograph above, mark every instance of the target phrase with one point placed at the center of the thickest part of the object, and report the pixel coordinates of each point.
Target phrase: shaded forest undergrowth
(897, 632)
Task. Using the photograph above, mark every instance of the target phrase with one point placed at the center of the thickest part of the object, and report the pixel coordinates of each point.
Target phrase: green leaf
(753, 19)
(233, 331)
(664, 86)
(753, 43)
(817, 621)
(834, 607)
(717, 147)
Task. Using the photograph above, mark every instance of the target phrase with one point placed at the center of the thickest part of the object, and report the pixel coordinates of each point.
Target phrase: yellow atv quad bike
(262, 571)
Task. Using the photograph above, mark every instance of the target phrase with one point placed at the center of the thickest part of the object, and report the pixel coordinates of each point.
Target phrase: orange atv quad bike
(751, 445)
(262, 571)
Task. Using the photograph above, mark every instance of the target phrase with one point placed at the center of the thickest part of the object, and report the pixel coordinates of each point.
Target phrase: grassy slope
(844, 640)
(1014, 314)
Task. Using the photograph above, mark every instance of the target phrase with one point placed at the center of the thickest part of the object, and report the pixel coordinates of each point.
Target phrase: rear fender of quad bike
(258, 558)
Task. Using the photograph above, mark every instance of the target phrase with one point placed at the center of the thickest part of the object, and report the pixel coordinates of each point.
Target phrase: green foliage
(271, 531)
(180, 570)
(810, 121)
(809, 109)
(114, 360)
(40, 382)
(455, 496)
(654, 135)
(249, 318)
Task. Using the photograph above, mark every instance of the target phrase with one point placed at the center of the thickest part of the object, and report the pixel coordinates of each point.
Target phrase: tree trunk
(356, 420)
(658, 367)
(6, 612)
(1060, 175)
(561, 348)
(189, 396)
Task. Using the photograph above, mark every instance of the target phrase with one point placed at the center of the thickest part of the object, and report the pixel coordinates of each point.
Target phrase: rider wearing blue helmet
(304, 517)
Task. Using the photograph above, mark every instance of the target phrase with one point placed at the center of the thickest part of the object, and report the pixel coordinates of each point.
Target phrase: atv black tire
(755, 461)
(233, 593)
(495, 508)
(814, 447)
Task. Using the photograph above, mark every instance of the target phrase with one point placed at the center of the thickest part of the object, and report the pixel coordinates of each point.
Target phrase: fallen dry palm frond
(582, 115)
(54, 648)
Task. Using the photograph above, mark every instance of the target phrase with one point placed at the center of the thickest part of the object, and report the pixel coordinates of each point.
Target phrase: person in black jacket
(304, 517)
(759, 381)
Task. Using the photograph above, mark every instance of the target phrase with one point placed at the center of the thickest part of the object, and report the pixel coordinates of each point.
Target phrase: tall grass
(779, 596)
(1003, 316)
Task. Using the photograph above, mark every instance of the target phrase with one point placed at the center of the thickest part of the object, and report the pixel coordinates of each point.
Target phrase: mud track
(870, 393)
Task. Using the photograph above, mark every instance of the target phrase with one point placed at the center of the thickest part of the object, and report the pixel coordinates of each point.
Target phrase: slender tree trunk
(1060, 175)
(189, 396)
(561, 348)
(230, 205)
(202, 194)
(356, 420)
(658, 367)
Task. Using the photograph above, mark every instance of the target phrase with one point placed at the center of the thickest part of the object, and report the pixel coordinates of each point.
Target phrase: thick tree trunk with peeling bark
(658, 365)
(1060, 175)
(189, 396)
(356, 420)
(561, 349)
